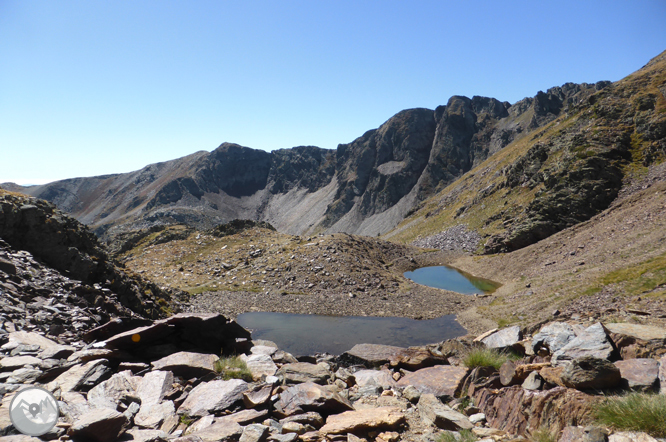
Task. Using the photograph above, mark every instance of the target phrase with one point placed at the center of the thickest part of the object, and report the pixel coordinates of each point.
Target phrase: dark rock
(639, 374)
(588, 373)
(370, 355)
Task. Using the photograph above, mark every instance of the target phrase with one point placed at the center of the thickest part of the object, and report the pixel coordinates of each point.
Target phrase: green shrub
(634, 412)
(487, 357)
(232, 368)
(465, 436)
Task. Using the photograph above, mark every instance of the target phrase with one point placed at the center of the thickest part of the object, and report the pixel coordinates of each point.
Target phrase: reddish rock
(515, 409)
(588, 373)
(381, 418)
(415, 358)
(372, 355)
(552, 375)
(639, 374)
(441, 380)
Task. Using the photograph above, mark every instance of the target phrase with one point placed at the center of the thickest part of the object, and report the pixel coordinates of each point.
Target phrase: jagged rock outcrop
(367, 186)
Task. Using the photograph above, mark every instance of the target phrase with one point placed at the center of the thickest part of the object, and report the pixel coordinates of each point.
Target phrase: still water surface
(309, 334)
(448, 278)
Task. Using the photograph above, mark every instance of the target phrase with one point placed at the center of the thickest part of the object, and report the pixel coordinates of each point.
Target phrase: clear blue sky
(97, 87)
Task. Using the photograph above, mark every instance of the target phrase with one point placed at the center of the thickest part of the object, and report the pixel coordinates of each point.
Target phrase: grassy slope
(608, 266)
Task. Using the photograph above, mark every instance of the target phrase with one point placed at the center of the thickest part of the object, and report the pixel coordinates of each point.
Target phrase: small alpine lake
(309, 334)
(449, 278)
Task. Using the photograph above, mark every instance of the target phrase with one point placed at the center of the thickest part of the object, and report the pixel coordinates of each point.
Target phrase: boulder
(590, 373)
(138, 435)
(187, 364)
(245, 417)
(11, 363)
(444, 381)
(254, 433)
(639, 374)
(258, 396)
(311, 418)
(381, 418)
(153, 415)
(309, 396)
(108, 394)
(379, 378)
(371, 355)
(441, 415)
(593, 341)
(638, 341)
(305, 372)
(99, 425)
(414, 358)
(222, 429)
(260, 364)
(212, 397)
(662, 375)
(533, 381)
(504, 338)
(78, 375)
(630, 436)
(553, 337)
(140, 336)
(31, 338)
(154, 386)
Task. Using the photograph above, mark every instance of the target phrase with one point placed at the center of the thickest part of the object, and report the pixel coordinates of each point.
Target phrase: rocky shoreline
(174, 380)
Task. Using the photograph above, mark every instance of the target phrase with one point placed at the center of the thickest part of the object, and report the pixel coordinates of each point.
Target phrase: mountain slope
(366, 187)
(560, 175)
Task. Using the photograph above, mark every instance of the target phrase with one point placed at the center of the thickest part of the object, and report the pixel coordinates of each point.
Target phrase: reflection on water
(309, 334)
(448, 278)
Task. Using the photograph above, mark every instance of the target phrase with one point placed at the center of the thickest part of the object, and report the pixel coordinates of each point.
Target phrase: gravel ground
(456, 238)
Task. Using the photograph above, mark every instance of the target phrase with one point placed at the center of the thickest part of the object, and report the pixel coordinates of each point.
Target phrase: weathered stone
(222, 429)
(13, 362)
(662, 375)
(154, 385)
(259, 395)
(72, 406)
(200, 424)
(254, 433)
(310, 397)
(245, 417)
(138, 435)
(639, 374)
(76, 376)
(372, 355)
(134, 367)
(504, 338)
(414, 358)
(293, 427)
(441, 380)
(533, 381)
(260, 365)
(477, 417)
(31, 338)
(553, 337)
(411, 394)
(638, 331)
(262, 349)
(91, 354)
(442, 415)
(100, 425)
(153, 415)
(381, 418)
(170, 424)
(57, 352)
(588, 373)
(552, 375)
(630, 436)
(140, 336)
(187, 364)
(514, 409)
(305, 372)
(380, 378)
(583, 434)
(310, 436)
(593, 341)
(310, 418)
(211, 397)
(110, 393)
(288, 437)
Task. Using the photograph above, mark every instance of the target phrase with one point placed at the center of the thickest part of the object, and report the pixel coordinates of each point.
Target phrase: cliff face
(367, 186)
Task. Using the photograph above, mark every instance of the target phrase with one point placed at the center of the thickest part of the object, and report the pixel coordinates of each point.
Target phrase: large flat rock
(75, 376)
(593, 341)
(441, 380)
(442, 416)
(305, 372)
(212, 397)
(222, 430)
(639, 374)
(187, 364)
(99, 425)
(373, 355)
(260, 364)
(504, 338)
(638, 331)
(309, 396)
(381, 418)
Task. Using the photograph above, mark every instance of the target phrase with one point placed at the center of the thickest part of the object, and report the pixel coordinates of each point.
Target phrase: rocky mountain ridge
(364, 187)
